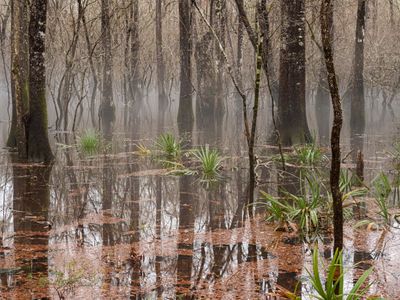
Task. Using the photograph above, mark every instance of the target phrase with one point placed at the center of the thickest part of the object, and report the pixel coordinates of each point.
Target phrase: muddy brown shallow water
(119, 226)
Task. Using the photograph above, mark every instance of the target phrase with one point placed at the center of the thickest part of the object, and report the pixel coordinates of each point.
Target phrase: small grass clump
(210, 160)
(89, 143)
(168, 146)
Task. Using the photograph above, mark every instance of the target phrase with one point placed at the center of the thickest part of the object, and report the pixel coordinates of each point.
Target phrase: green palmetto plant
(395, 153)
(303, 209)
(277, 210)
(359, 192)
(309, 154)
(382, 190)
(333, 287)
(89, 142)
(168, 146)
(348, 200)
(346, 180)
(210, 160)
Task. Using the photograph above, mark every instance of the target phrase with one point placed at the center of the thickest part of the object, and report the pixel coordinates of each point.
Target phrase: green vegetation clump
(309, 154)
(169, 153)
(89, 143)
(210, 160)
(333, 287)
(396, 155)
(311, 206)
(303, 210)
(168, 146)
(382, 190)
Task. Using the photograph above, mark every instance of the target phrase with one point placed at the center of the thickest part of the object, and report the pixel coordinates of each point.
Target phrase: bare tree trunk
(90, 51)
(326, 19)
(69, 66)
(292, 119)
(185, 111)
(357, 118)
(267, 56)
(135, 47)
(322, 98)
(220, 25)
(3, 36)
(206, 73)
(19, 76)
(127, 76)
(239, 65)
(38, 141)
(107, 109)
(160, 59)
(252, 137)
(239, 55)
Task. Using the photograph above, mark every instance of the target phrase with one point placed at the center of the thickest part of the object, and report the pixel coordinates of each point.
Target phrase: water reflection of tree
(31, 198)
(6, 215)
(186, 220)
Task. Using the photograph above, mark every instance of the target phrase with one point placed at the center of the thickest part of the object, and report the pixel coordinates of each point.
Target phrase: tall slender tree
(220, 20)
(135, 47)
(326, 20)
(160, 58)
(107, 109)
(322, 97)
(264, 21)
(185, 110)
(357, 118)
(239, 65)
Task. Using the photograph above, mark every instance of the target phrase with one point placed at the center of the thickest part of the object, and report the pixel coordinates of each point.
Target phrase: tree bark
(220, 25)
(160, 59)
(326, 19)
(357, 118)
(185, 110)
(38, 142)
(267, 56)
(135, 47)
(292, 119)
(19, 76)
(322, 97)
(107, 109)
(252, 138)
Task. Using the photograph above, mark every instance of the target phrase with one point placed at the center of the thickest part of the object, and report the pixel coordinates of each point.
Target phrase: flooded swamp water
(117, 225)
